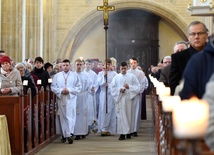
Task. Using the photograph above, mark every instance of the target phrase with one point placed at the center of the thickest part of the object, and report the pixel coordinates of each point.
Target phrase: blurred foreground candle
(155, 82)
(190, 119)
(169, 102)
(159, 87)
(165, 91)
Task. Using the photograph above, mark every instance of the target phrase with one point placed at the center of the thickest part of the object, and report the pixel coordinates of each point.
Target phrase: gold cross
(105, 8)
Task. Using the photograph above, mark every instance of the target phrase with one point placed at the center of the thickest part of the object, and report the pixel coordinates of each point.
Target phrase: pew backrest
(12, 108)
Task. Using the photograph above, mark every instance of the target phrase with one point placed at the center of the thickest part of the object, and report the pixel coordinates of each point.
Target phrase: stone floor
(97, 145)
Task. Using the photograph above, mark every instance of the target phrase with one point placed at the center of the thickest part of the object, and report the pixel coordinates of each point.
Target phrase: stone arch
(89, 22)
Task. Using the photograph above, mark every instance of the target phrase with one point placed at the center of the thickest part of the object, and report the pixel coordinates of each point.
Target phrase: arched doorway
(94, 20)
(134, 33)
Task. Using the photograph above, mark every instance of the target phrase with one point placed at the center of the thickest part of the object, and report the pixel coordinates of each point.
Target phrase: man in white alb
(81, 126)
(91, 95)
(137, 104)
(66, 85)
(124, 88)
(107, 114)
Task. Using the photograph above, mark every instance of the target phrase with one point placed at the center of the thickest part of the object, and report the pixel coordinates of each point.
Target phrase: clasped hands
(123, 89)
(65, 91)
(5, 91)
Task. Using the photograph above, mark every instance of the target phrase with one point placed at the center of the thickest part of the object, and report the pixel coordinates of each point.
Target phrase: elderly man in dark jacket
(197, 36)
(198, 72)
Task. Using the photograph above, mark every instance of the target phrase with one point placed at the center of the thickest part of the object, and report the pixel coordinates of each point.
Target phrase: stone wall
(70, 28)
(67, 23)
(37, 43)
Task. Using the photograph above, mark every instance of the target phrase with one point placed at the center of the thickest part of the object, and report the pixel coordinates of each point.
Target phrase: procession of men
(109, 101)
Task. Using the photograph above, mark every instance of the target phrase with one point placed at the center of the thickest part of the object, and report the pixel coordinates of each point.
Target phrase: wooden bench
(12, 107)
(162, 131)
(43, 113)
(31, 122)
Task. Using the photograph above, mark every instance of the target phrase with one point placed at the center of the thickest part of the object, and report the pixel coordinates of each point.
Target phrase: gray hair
(20, 65)
(167, 57)
(197, 23)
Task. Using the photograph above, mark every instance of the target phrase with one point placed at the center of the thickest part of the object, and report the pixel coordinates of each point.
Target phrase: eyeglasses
(199, 34)
(167, 62)
(79, 64)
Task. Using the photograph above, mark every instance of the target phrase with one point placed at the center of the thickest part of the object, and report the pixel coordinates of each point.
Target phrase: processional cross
(105, 8)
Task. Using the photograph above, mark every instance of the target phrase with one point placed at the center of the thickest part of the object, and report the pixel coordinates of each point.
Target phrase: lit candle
(0, 84)
(159, 87)
(25, 82)
(190, 119)
(50, 80)
(39, 82)
(169, 102)
(164, 92)
(155, 82)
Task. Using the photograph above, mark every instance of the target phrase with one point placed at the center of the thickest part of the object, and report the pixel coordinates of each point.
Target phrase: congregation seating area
(31, 122)
(166, 143)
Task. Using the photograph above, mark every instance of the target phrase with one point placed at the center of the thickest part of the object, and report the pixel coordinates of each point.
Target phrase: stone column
(23, 29)
(41, 28)
(0, 24)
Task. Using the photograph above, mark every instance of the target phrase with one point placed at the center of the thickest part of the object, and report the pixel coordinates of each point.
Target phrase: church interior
(72, 29)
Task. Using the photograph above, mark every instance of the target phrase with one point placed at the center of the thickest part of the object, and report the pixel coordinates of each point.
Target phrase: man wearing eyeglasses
(198, 71)
(197, 36)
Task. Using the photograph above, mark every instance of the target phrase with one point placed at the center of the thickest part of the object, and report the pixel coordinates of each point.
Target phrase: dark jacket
(42, 75)
(179, 61)
(164, 76)
(198, 72)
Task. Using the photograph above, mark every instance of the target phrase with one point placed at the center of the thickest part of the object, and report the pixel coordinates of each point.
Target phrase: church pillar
(48, 29)
(11, 19)
(41, 28)
(23, 29)
(0, 24)
(28, 28)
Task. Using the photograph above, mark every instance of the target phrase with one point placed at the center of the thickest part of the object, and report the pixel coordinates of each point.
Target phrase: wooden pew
(12, 107)
(31, 122)
(35, 115)
(52, 113)
(41, 115)
(28, 121)
(178, 147)
(42, 120)
(47, 112)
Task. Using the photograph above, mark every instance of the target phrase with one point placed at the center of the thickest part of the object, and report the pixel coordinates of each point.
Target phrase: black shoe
(77, 137)
(128, 136)
(83, 136)
(63, 140)
(70, 140)
(135, 134)
(122, 137)
(108, 133)
(103, 134)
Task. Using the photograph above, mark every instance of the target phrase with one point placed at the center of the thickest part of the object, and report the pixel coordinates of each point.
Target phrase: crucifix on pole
(105, 8)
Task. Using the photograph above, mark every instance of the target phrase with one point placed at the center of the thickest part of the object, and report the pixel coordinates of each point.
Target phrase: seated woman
(21, 68)
(10, 79)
